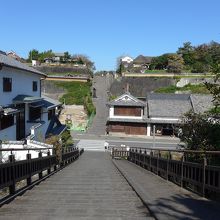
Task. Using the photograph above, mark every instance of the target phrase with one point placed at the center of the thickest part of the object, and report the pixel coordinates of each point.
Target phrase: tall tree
(160, 62)
(33, 55)
(187, 52)
(175, 63)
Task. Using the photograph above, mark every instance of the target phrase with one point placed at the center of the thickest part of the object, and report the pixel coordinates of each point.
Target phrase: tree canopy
(201, 131)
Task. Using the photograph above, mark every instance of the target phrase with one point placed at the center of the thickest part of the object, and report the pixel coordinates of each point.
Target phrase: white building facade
(22, 108)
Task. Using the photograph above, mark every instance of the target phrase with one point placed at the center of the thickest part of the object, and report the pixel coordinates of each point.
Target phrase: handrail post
(168, 162)
(28, 157)
(158, 156)
(49, 169)
(204, 175)
(40, 174)
(182, 169)
(151, 154)
(11, 159)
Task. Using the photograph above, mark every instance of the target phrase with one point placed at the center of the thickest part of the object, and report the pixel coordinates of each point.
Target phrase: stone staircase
(91, 145)
(102, 85)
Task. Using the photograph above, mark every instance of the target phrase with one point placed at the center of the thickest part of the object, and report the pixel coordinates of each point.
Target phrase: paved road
(91, 188)
(160, 142)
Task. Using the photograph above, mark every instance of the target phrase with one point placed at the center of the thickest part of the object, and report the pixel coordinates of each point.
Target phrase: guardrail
(14, 171)
(198, 175)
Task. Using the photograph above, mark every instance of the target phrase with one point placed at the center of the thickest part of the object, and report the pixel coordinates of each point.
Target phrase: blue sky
(105, 30)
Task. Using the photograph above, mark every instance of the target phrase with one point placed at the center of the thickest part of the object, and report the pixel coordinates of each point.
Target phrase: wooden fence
(14, 171)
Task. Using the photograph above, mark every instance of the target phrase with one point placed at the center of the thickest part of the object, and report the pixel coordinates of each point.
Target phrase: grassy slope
(78, 93)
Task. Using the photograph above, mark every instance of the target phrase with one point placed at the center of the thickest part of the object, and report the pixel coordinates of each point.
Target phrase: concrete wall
(21, 84)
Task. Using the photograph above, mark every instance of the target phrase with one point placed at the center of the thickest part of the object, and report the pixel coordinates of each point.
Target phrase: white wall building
(127, 59)
(22, 108)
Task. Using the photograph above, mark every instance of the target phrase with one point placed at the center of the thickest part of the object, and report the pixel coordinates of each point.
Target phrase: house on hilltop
(23, 111)
(142, 62)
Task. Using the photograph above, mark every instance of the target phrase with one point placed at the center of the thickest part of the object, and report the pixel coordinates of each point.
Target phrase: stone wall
(139, 87)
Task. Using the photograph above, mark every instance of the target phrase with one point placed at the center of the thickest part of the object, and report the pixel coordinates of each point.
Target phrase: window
(34, 86)
(34, 113)
(6, 121)
(51, 113)
(7, 84)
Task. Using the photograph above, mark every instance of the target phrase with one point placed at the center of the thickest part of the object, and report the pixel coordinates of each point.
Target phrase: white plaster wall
(40, 131)
(21, 155)
(21, 84)
(148, 129)
(46, 124)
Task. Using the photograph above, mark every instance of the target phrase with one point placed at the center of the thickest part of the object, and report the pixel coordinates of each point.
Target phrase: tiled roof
(10, 62)
(201, 103)
(142, 59)
(130, 101)
(168, 105)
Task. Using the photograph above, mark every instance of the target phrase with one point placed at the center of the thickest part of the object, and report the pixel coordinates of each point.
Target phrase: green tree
(33, 55)
(175, 63)
(67, 56)
(214, 88)
(160, 62)
(201, 131)
(45, 54)
(187, 52)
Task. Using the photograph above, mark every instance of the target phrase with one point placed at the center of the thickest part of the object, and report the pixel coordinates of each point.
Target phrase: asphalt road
(159, 142)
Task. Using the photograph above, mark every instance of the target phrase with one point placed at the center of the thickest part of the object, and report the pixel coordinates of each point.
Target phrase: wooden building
(127, 114)
(164, 112)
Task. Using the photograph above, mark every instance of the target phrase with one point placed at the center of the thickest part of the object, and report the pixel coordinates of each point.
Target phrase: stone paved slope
(90, 188)
(102, 85)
